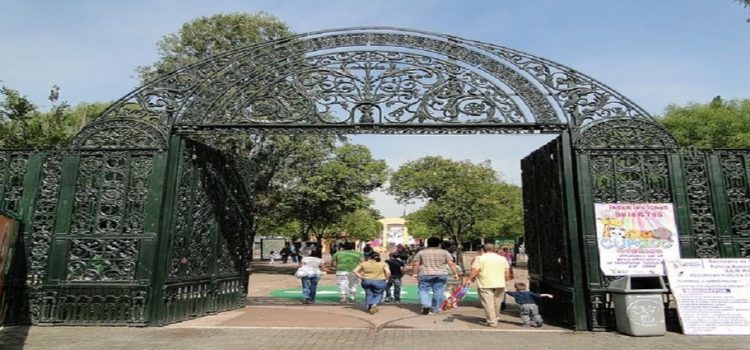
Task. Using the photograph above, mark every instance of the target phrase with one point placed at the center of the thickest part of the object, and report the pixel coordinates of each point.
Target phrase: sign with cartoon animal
(635, 238)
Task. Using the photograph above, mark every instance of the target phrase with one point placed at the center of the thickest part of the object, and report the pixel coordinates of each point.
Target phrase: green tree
(361, 224)
(337, 187)
(207, 36)
(719, 124)
(745, 4)
(280, 160)
(464, 200)
(506, 214)
(23, 125)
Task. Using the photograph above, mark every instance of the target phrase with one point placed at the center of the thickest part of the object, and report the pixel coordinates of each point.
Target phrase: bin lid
(635, 284)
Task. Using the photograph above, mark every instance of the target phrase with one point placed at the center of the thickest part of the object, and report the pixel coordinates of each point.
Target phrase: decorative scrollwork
(195, 222)
(45, 215)
(623, 177)
(734, 167)
(111, 192)
(102, 259)
(743, 249)
(702, 220)
(372, 77)
(14, 165)
(367, 87)
(210, 222)
(121, 134)
(625, 134)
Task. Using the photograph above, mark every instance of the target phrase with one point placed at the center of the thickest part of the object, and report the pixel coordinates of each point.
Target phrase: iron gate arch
(124, 227)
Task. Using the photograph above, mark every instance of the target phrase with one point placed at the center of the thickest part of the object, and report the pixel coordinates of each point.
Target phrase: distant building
(395, 232)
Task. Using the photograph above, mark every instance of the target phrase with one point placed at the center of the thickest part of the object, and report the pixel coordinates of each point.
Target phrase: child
(527, 301)
(273, 256)
(397, 272)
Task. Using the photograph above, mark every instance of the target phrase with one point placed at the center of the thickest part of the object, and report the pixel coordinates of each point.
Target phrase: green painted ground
(409, 294)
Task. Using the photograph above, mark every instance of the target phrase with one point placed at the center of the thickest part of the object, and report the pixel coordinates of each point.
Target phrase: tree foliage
(335, 188)
(361, 224)
(23, 125)
(719, 124)
(745, 4)
(464, 200)
(207, 36)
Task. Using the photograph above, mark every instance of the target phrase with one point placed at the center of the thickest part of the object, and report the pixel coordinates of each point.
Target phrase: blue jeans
(436, 284)
(394, 282)
(373, 291)
(310, 286)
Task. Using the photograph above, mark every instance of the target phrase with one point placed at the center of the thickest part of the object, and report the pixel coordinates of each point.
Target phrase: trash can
(639, 305)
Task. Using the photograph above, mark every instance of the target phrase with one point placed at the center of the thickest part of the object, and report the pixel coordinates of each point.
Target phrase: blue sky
(654, 52)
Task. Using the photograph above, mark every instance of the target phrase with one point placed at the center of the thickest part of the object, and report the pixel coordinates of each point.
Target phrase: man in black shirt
(397, 272)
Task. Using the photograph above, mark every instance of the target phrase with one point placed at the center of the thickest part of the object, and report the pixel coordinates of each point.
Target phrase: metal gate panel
(102, 246)
(550, 243)
(204, 256)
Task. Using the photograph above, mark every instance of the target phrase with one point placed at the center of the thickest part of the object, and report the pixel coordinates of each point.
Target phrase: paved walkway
(184, 338)
(273, 323)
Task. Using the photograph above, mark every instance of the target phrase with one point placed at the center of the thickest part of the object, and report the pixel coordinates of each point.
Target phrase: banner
(635, 238)
(712, 295)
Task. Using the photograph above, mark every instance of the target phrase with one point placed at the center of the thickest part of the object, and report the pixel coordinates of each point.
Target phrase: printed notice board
(635, 238)
(712, 295)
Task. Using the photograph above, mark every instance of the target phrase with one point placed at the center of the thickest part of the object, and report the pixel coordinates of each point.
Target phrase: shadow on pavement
(13, 337)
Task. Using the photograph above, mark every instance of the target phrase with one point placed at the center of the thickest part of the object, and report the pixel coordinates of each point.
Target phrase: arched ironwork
(374, 80)
(121, 133)
(624, 134)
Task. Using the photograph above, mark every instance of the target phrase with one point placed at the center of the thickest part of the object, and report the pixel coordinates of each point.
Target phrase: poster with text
(635, 238)
(712, 295)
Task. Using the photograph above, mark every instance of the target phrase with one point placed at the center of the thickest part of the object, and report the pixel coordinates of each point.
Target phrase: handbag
(301, 272)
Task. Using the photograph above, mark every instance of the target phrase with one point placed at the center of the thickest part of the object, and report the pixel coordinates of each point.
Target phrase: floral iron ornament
(374, 80)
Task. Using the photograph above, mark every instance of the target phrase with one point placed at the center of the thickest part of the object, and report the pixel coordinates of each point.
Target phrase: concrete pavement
(273, 323)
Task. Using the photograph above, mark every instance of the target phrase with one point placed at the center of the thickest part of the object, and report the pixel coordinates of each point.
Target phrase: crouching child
(527, 301)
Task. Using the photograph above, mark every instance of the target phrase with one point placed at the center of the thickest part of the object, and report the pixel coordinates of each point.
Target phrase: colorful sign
(711, 295)
(635, 238)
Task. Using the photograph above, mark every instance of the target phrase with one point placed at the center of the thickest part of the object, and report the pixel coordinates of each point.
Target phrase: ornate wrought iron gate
(634, 162)
(551, 230)
(136, 224)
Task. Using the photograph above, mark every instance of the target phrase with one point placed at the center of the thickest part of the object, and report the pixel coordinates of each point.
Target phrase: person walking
(490, 270)
(396, 266)
(293, 253)
(429, 268)
(311, 268)
(374, 274)
(285, 253)
(344, 261)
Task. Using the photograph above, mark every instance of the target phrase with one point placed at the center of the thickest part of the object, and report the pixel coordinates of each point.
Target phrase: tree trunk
(459, 252)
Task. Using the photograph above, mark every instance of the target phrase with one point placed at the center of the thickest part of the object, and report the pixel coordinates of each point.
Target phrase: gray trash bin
(639, 305)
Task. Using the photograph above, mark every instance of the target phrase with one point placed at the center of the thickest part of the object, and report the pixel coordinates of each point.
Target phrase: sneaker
(305, 301)
(388, 299)
(352, 299)
(397, 301)
(373, 310)
(487, 324)
(539, 324)
(525, 325)
(426, 310)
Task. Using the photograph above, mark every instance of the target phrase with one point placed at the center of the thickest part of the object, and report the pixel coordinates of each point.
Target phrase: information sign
(712, 295)
(635, 238)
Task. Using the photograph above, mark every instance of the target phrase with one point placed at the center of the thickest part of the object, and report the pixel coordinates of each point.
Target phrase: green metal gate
(631, 163)
(551, 230)
(136, 224)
